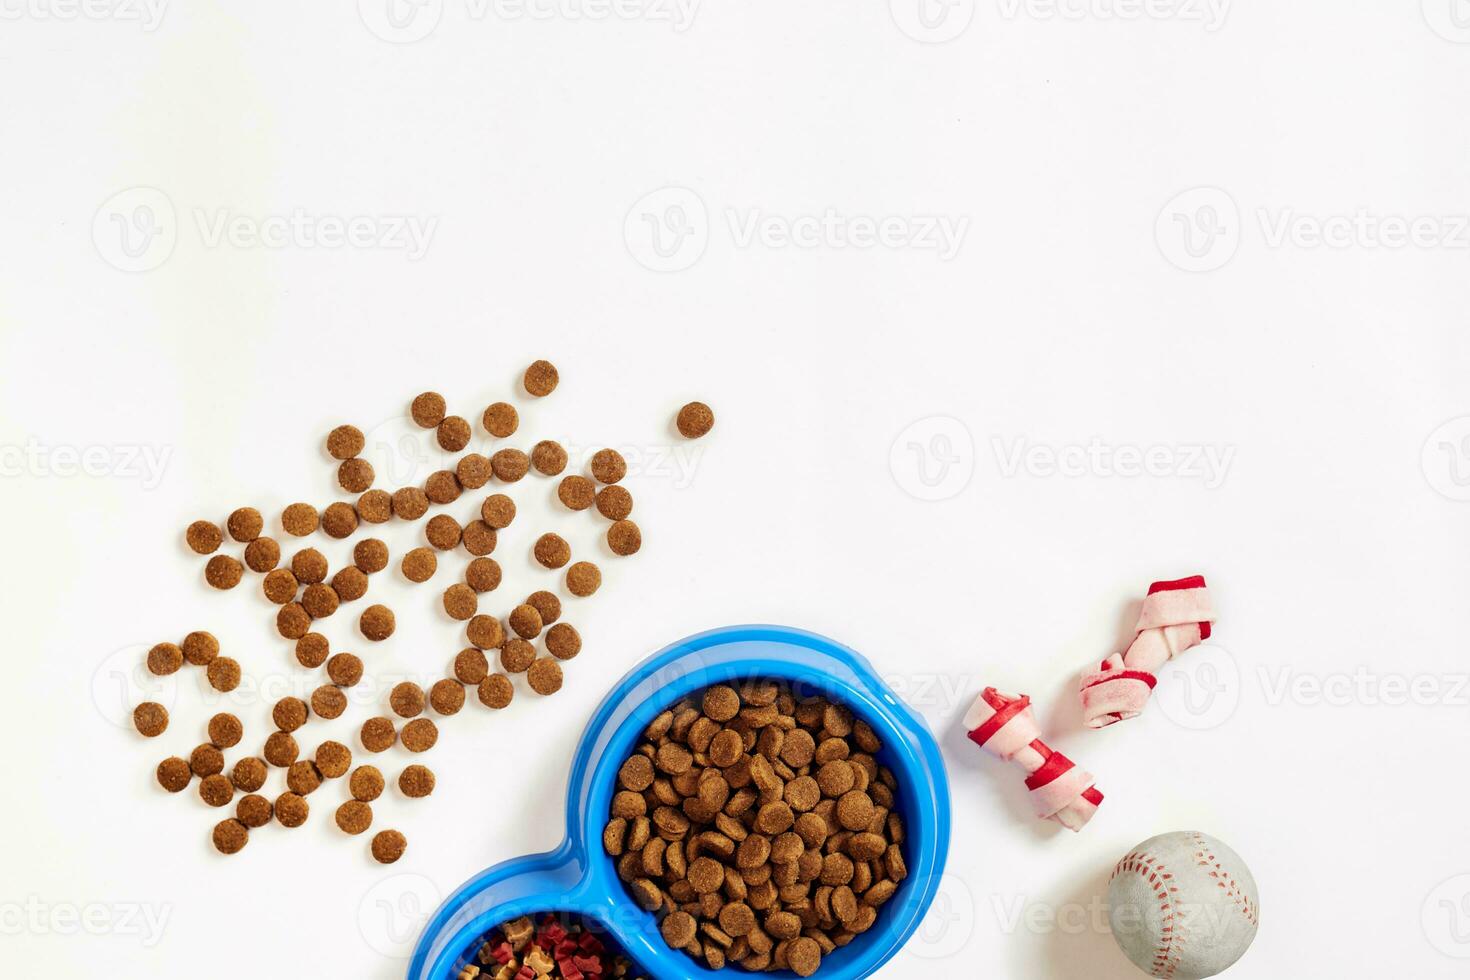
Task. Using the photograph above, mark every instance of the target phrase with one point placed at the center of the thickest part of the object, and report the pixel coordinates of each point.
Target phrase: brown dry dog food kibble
(165, 658)
(804, 956)
(624, 538)
(293, 621)
(333, 759)
(498, 511)
(291, 809)
(206, 760)
(345, 442)
(339, 520)
(416, 782)
(486, 633)
(225, 731)
(495, 691)
(442, 487)
(262, 554)
(472, 471)
(614, 503)
(223, 572)
(245, 524)
(576, 492)
(548, 457)
(447, 696)
(366, 784)
(510, 465)
(309, 566)
(453, 434)
(249, 774)
(223, 674)
(388, 846)
(375, 506)
(230, 836)
(279, 586)
(552, 550)
(312, 650)
(344, 669)
(419, 565)
(370, 555)
(378, 734)
(200, 648)
(150, 719)
(254, 811)
(541, 379)
(460, 601)
(303, 777)
(281, 750)
(547, 604)
(545, 676)
(563, 641)
(583, 579)
(355, 475)
(608, 466)
(526, 621)
(479, 538)
(695, 420)
(350, 583)
(410, 503)
(319, 601)
(174, 774)
(406, 700)
(443, 532)
(428, 409)
(203, 537)
(501, 420)
(328, 702)
(517, 656)
(290, 714)
(300, 519)
(470, 666)
(377, 623)
(420, 735)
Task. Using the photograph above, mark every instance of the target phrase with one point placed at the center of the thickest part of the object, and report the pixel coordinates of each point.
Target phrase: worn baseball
(1183, 906)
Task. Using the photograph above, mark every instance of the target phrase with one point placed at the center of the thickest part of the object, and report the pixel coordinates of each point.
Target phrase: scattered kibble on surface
(695, 420)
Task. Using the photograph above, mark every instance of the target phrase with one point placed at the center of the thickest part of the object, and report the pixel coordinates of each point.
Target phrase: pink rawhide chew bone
(1176, 616)
(1002, 724)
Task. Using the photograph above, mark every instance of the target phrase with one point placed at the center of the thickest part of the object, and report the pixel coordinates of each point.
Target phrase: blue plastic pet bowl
(579, 877)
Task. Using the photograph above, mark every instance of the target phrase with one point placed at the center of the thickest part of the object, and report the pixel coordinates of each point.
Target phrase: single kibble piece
(350, 583)
(225, 730)
(388, 846)
(678, 929)
(695, 420)
(479, 538)
(547, 604)
(501, 420)
(447, 696)
(366, 784)
(495, 691)
(624, 538)
(174, 774)
(583, 579)
(377, 622)
(428, 409)
(378, 734)
(460, 601)
(406, 700)
(312, 650)
(576, 492)
(552, 550)
(319, 601)
(453, 434)
(328, 702)
(333, 759)
(517, 656)
(299, 520)
(165, 658)
(223, 572)
(614, 503)
(291, 809)
(420, 735)
(339, 520)
(470, 666)
(309, 566)
(245, 524)
(443, 532)
(419, 565)
(410, 503)
(150, 719)
(281, 750)
(472, 471)
(563, 641)
(290, 714)
(345, 669)
(249, 774)
(204, 537)
(545, 676)
(510, 465)
(279, 586)
(608, 466)
(804, 956)
(223, 674)
(526, 621)
(206, 760)
(345, 442)
(254, 811)
(549, 458)
(442, 487)
(541, 379)
(375, 506)
(200, 648)
(355, 475)
(498, 511)
(416, 782)
(293, 621)
(484, 632)
(230, 836)
(303, 777)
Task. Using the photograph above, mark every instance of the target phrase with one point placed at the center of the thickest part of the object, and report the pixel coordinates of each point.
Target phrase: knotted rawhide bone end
(1002, 724)
(1176, 615)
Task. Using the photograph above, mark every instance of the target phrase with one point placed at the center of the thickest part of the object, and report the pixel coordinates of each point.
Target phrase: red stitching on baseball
(1223, 879)
(1168, 954)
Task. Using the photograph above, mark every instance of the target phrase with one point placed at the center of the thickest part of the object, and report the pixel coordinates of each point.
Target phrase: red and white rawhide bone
(1002, 724)
(1176, 616)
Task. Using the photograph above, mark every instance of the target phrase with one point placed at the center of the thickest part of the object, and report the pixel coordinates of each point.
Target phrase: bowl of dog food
(753, 797)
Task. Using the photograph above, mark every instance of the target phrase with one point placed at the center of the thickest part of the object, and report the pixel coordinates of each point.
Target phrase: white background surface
(1322, 734)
